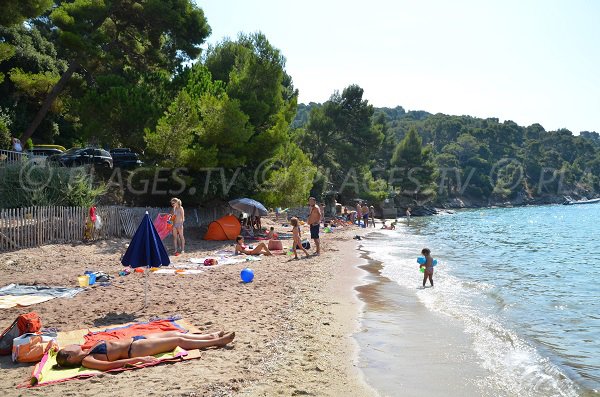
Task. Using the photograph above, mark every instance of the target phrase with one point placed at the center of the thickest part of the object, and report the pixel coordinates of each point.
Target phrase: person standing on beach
(358, 213)
(314, 220)
(428, 274)
(365, 214)
(178, 219)
(372, 215)
(408, 216)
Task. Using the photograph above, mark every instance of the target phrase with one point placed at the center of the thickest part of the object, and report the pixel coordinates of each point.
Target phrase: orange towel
(152, 327)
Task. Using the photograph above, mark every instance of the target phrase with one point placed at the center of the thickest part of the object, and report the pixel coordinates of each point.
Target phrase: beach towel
(221, 261)
(13, 295)
(8, 301)
(179, 271)
(91, 338)
(38, 290)
(45, 372)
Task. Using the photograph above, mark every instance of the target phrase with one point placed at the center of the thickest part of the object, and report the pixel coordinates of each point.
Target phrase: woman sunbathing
(240, 248)
(107, 355)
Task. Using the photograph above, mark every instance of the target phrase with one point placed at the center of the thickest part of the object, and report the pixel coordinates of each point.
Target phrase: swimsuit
(100, 348)
(131, 344)
(177, 215)
(243, 247)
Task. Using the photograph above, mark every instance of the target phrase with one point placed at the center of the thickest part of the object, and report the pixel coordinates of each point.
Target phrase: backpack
(31, 347)
(305, 244)
(25, 323)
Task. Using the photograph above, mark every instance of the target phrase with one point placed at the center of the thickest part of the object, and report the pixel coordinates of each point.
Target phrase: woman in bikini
(107, 355)
(241, 248)
(178, 219)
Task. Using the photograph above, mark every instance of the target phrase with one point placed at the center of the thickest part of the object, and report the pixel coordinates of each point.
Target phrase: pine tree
(412, 168)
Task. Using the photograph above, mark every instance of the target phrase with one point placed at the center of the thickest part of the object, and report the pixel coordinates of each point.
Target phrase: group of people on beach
(363, 212)
(314, 221)
(140, 350)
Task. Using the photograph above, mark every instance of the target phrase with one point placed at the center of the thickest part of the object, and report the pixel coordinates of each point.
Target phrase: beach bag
(210, 262)
(31, 347)
(305, 244)
(163, 224)
(25, 323)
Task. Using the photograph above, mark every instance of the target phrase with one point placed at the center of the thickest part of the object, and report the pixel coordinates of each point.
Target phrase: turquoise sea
(522, 283)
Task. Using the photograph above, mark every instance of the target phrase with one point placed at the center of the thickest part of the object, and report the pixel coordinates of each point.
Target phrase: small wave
(514, 365)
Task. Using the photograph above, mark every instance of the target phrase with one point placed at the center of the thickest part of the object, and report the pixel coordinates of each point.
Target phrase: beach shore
(293, 323)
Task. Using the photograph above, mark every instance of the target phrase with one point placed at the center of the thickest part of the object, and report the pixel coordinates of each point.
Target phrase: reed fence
(37, 226)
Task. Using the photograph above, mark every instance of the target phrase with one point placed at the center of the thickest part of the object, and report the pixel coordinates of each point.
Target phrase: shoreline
(393, 354)
(333, 347)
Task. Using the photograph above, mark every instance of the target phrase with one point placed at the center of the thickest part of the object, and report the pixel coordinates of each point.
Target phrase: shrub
(27, 185)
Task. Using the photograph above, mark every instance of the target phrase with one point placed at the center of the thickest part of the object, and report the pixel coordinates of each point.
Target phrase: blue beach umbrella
(146, 250)
(249, 206)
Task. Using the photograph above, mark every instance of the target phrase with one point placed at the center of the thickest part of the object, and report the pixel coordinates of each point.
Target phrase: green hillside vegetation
(225, 122)
(483, 160)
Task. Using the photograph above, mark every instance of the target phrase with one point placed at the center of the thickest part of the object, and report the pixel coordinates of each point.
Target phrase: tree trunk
(49, 100)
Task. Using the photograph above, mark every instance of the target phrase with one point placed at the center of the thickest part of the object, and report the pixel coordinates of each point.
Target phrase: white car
(39, 155)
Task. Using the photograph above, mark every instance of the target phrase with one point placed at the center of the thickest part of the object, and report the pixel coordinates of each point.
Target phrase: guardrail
(10, 157)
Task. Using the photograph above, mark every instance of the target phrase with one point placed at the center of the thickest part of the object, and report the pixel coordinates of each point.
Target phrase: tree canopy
(123, 73)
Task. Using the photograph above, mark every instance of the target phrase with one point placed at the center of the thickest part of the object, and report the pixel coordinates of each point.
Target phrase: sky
(529, 61)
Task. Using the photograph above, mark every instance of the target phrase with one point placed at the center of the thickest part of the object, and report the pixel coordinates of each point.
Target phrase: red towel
(129, 331)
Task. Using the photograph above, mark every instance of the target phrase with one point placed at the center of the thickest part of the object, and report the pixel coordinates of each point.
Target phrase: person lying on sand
(392, 226)
(107, 355)
(240, 248)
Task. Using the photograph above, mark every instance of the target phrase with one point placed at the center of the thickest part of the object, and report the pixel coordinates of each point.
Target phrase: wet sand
(407, 350)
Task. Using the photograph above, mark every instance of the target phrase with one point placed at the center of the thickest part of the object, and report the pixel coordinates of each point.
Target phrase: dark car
(82, 156)
(125, 158)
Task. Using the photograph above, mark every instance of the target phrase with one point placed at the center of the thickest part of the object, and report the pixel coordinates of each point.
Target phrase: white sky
(530, 61)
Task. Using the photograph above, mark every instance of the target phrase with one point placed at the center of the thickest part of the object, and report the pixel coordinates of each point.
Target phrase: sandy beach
(294, 322)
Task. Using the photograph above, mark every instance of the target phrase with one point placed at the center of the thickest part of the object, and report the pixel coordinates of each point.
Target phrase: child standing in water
(178, 219)
(428, 274)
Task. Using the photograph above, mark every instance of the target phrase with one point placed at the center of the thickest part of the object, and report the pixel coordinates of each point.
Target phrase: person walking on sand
(107, 355)
(178, 219)
(297, 235)
(314, 220)
(428, 265)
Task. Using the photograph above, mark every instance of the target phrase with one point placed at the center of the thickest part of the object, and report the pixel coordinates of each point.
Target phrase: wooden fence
(37, 226)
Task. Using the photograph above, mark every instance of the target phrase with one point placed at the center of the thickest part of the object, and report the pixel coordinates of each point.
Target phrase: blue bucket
(92, 277)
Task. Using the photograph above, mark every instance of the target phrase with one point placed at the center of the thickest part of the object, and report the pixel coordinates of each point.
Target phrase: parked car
(39, 155)
(125, 158)
(81, 156)
(44, 146)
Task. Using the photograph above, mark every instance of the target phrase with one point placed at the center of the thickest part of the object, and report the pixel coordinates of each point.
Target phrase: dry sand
(293, 322)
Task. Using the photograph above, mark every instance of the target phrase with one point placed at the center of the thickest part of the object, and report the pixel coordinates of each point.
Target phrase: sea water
(522, 283)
